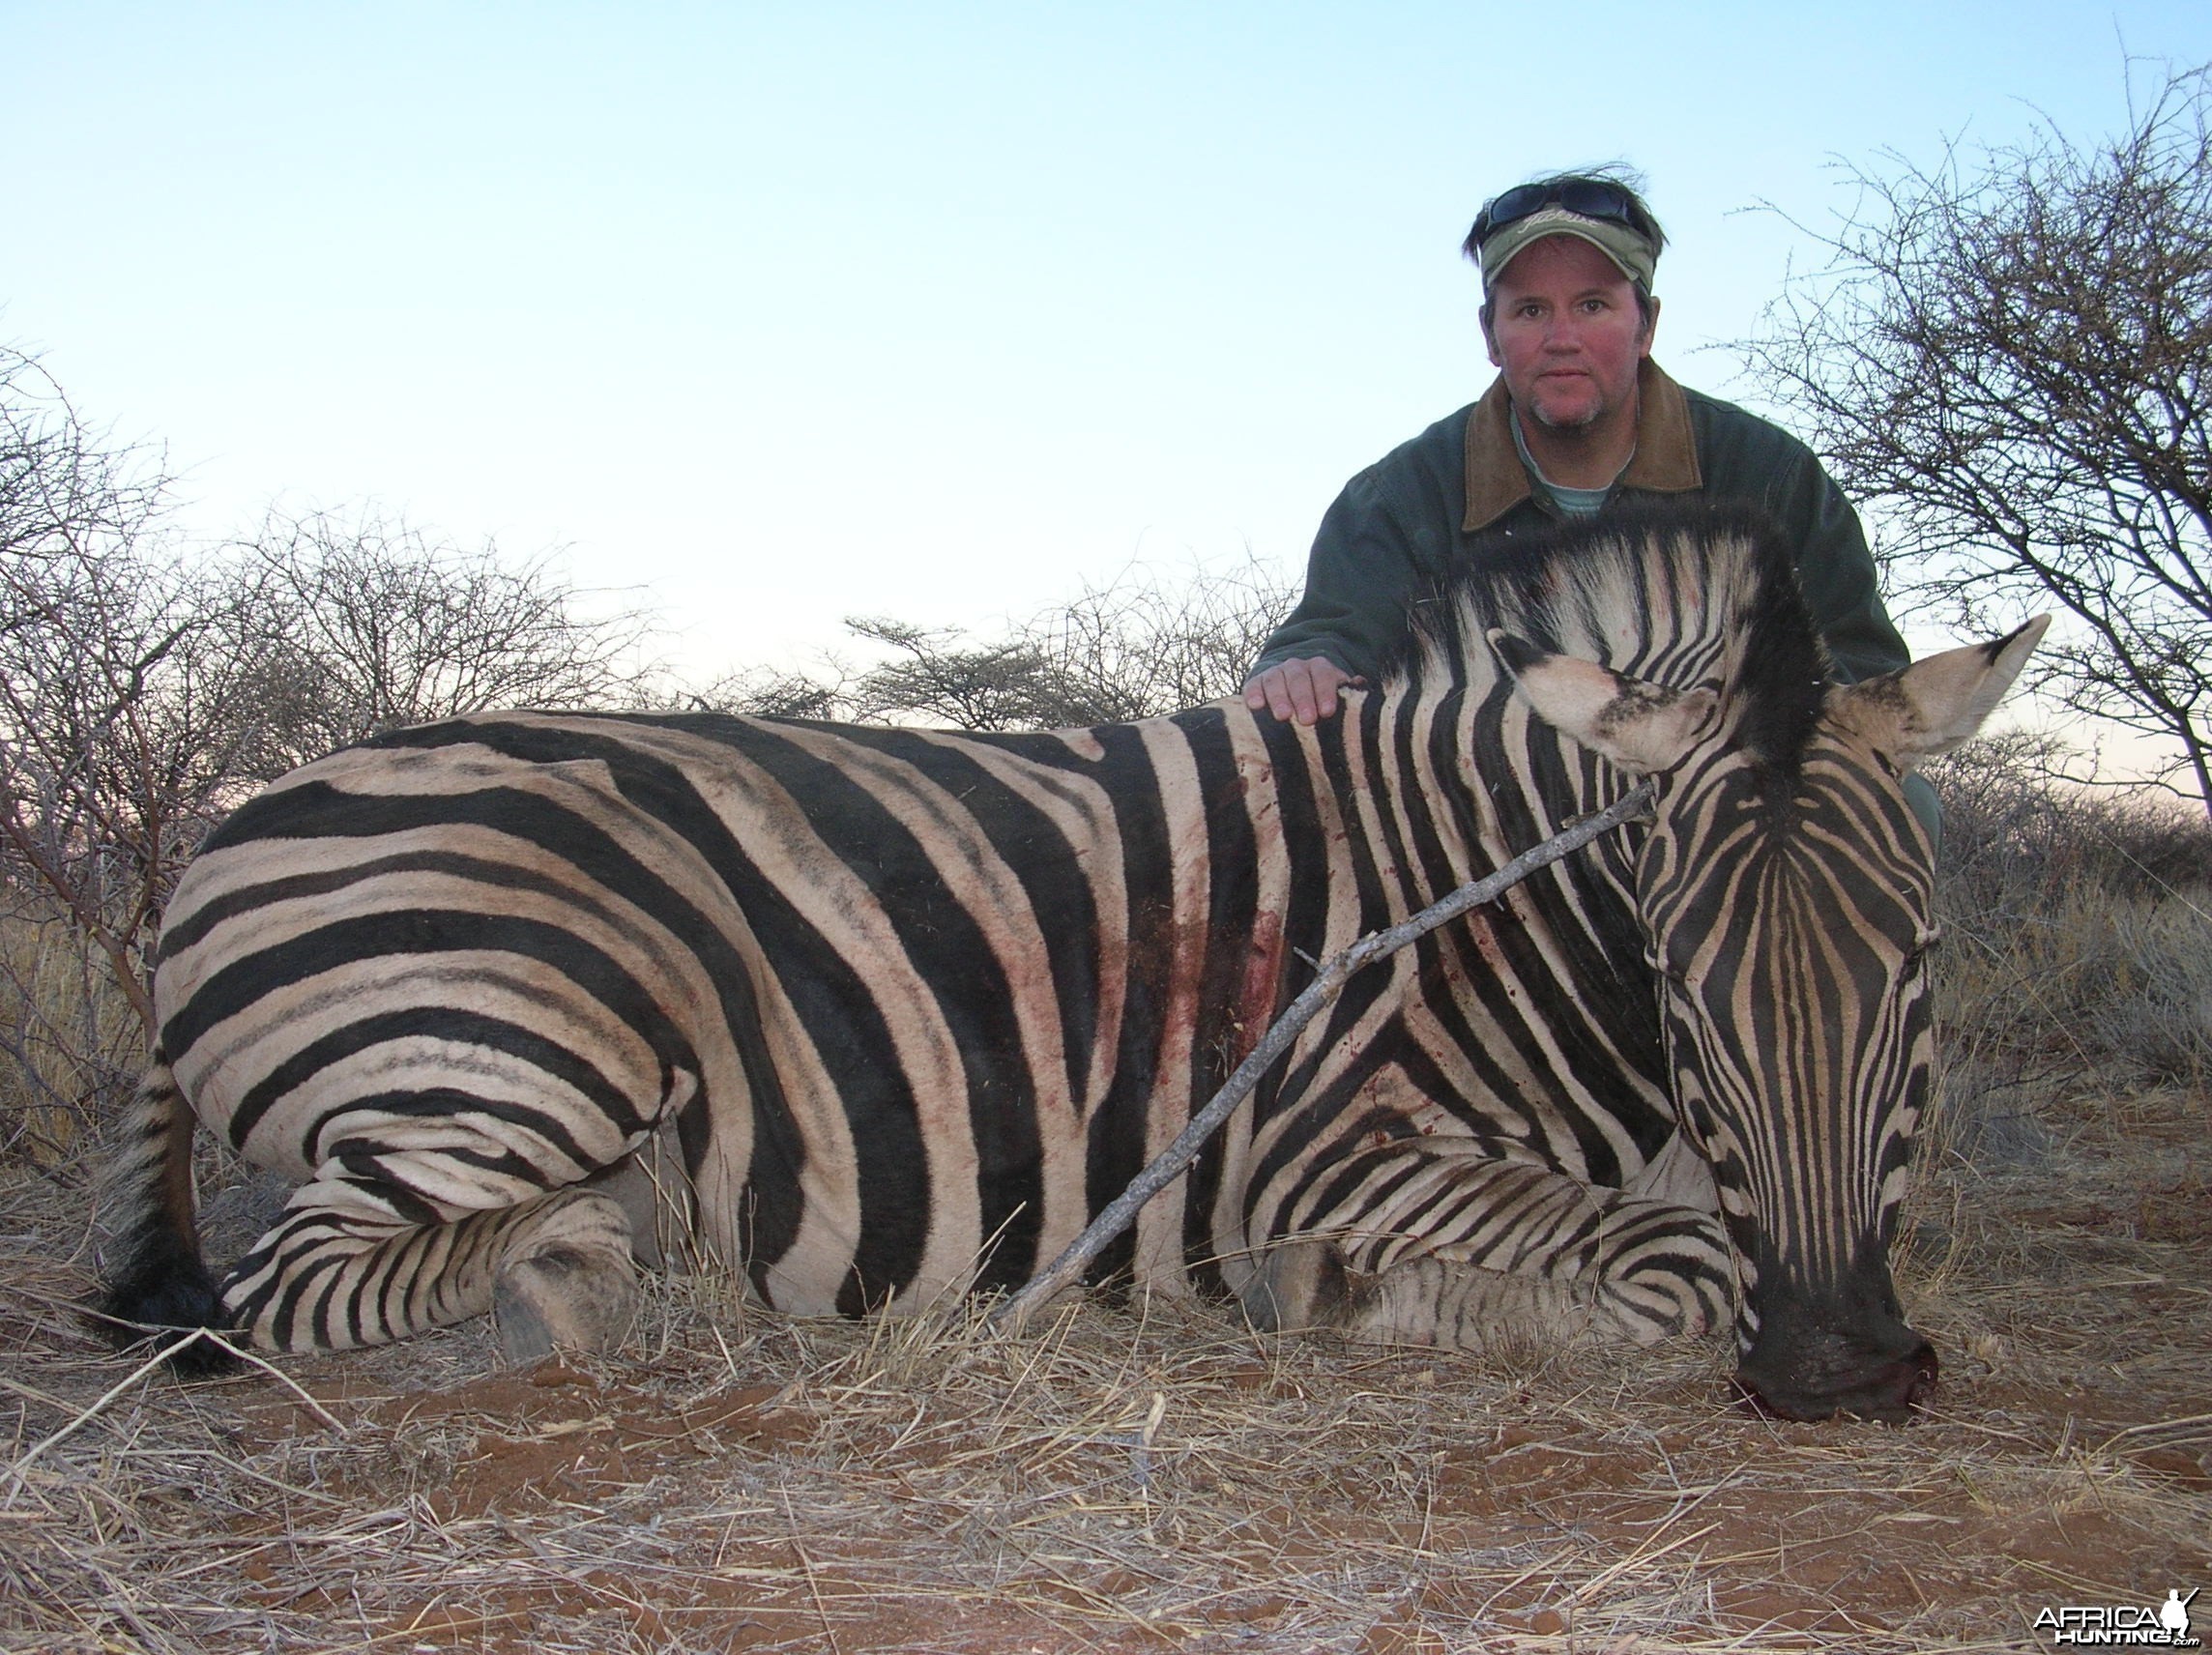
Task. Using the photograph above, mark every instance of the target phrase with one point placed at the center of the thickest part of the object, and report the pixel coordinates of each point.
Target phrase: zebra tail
(155, 1281)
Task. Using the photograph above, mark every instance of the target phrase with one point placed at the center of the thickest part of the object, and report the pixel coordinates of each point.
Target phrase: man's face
(1565, 331)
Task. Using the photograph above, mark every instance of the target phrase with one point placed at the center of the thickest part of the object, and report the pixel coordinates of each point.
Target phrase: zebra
(875, 1016)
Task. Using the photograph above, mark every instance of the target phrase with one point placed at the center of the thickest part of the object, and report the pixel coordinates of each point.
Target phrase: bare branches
(1135, 648)
(61, 484)
(2009, 356)
(1139, 647)
(104, 778)
(144, 693)
(369, 622)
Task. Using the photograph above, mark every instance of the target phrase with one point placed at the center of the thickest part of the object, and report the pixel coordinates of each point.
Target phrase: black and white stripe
(895, 1011)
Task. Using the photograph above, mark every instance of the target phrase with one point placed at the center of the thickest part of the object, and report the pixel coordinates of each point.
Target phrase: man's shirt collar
(1666, 459)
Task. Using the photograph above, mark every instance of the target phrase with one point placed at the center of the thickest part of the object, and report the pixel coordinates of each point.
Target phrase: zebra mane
(1681, 592)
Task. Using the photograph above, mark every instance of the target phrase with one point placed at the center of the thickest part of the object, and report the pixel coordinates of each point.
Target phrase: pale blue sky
(784, 313)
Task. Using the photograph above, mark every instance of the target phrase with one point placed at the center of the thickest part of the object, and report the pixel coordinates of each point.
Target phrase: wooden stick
(1119, 1214)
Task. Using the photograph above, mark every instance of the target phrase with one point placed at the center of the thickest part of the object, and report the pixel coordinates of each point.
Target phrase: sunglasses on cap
(1590, 197)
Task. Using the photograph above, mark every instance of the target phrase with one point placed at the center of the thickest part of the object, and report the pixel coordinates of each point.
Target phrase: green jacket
(1459, 490)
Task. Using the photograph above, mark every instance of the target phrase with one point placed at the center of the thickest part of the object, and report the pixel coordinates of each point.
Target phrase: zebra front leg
(1305, 1284)
(1495, 1253)
(357, 1262)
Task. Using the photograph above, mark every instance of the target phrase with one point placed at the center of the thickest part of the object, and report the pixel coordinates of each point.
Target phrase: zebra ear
(1936, 703)
(1642, 727)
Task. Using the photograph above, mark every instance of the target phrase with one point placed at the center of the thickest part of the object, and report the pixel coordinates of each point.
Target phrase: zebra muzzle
(1827, 1375)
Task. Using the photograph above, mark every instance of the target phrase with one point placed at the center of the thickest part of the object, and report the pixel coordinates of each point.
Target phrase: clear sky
(777, 314)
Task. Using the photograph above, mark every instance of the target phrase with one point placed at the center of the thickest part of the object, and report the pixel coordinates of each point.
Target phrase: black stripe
(184, 931)
(951, 955)
(1050, 870)
(1114, 1150)
(244, 981)
(1346, 1170)
(1316, 1112)
(1222, 1036)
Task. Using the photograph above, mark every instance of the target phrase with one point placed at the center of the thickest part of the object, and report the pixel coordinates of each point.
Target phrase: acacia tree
(1135, 648)
(369, 622)
(1141, 644)
(2008, 356)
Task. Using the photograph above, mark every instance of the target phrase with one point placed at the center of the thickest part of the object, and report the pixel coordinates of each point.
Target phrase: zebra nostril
(1900, 1389)
(1924, 1370)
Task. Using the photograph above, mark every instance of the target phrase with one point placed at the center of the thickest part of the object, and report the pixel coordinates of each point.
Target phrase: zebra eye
(1923, 945)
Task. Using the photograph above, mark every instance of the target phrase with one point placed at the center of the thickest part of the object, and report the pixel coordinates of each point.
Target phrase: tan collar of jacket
(1666, 459)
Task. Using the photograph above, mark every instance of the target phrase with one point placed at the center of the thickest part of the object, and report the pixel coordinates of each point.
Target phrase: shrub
(2078, 943)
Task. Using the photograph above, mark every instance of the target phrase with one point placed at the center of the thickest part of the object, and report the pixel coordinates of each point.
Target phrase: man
(1579, 420)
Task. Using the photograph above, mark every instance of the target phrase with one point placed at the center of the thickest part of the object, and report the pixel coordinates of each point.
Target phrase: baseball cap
(1594, 210)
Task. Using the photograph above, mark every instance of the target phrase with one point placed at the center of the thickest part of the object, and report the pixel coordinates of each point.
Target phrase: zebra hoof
(564, 1298)
(1301, 1283)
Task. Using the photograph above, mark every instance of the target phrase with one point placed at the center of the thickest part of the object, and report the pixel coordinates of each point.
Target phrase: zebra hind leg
(569, 1283)
(360, 1260)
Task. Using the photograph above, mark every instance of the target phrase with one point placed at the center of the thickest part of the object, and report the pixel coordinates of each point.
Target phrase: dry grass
(1152, 1477)
(1148, 1476)
(69, 1040)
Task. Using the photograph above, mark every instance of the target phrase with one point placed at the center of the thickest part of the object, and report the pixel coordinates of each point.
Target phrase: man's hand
(1303, 688)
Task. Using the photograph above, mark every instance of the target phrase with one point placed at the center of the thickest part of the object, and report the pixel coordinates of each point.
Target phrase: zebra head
(1784, 896)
